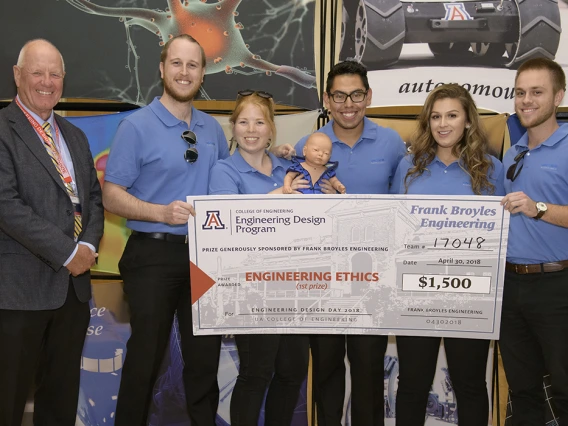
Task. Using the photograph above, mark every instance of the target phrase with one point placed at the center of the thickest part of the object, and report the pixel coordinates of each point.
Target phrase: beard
(543, 117)
(179, 97)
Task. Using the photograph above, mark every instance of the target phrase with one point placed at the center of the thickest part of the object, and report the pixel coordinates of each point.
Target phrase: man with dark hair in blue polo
(368, 156)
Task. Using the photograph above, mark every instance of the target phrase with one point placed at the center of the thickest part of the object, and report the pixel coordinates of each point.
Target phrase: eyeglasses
(356, 96)
(512, 171)
(260, 93)
(191, 153)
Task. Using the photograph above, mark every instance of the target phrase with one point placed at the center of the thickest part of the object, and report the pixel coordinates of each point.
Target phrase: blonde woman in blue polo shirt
(448, 157)
(279, 362)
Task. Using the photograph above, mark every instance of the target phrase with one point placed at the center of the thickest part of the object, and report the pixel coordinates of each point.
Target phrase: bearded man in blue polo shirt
(161, 154)
(534, 324)
(368, 156)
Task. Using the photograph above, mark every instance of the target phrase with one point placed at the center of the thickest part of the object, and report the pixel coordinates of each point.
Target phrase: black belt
(164, 236)
(536, 268)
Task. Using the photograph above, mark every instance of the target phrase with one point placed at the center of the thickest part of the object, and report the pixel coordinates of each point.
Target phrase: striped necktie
(53, 154)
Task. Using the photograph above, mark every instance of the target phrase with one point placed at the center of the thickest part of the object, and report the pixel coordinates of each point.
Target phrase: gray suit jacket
(36, 215)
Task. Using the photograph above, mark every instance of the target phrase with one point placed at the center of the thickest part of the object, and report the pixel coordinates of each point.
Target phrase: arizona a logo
(213, 220)
(456, 12)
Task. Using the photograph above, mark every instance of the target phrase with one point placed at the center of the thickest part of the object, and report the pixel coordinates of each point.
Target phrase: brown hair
(266, 105)
(556, 72)
(187, 37)
(471, 150)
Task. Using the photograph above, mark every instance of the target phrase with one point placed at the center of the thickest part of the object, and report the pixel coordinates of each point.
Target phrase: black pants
(282, 361)
(534, 340)
(467, 365)
(156, 280)
(49, 343)
(366, 357)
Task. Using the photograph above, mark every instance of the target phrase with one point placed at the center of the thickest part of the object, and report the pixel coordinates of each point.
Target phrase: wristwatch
(541, 209)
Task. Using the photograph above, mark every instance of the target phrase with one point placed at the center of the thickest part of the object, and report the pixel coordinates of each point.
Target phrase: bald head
(39, 77)
(37, 42)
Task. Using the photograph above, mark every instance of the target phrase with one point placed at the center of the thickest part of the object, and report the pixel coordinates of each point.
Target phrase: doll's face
(317, 149)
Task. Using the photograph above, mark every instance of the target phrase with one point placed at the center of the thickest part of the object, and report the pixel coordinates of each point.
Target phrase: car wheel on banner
(454, 51)
(353, 30)
(540, 30)
(491, 52)
(373, 31)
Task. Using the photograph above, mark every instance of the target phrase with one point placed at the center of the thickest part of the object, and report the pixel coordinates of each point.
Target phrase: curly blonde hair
(471, 150)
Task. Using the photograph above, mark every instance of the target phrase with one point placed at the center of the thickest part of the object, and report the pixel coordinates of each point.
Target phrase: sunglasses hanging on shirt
(514, 170)
(191, 153)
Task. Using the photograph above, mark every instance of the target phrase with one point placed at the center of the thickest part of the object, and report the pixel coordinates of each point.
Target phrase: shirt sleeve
(399, 153)
(498, 177)
(223, 181)
(397, 186)
(123, 165)
(223, 145)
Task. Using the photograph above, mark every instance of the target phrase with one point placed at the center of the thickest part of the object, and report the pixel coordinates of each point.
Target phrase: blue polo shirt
(369, 166)
(147, 157)
(440, 179)
(544, 177)
(235, 176)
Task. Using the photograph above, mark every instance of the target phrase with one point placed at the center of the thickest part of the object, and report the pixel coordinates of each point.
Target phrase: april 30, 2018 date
(461, 262)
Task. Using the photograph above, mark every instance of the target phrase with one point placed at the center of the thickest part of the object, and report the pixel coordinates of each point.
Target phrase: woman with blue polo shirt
(448, 157)
(279, 362)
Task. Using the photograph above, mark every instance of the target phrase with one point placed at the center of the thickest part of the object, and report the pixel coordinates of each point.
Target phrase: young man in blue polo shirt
(368, 156)
(534, 323)
(160, 154)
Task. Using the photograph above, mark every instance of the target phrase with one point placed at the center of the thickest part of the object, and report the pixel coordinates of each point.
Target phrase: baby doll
(314, 166)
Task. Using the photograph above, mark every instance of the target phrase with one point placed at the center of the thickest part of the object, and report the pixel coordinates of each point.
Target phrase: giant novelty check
(352, 264)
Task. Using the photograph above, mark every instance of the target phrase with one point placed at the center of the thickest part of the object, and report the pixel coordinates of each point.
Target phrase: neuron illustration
(212, 24)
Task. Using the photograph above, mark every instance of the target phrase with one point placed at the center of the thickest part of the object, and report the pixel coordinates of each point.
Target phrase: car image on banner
(411, 47)
(496, 33)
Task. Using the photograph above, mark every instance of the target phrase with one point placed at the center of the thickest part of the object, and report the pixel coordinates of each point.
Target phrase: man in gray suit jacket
(51, 222)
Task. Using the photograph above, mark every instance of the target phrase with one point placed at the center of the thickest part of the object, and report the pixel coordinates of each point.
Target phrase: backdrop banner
(112, 47)
(412, 46)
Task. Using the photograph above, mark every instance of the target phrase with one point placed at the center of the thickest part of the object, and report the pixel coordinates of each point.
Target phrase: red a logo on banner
(213, 220)
(456, 12)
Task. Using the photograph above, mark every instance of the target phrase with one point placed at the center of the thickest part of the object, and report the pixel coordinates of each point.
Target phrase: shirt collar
(243, 167)
(553, 139)
(169, 119)
(369, 131)
(456, 163)
(35, 116)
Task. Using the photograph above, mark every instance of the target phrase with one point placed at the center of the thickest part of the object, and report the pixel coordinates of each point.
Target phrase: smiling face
(317, 149)
(448, 121)
(39, 77)
(251, 130)
(182, 71)
(535, 100)
(348, 115)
